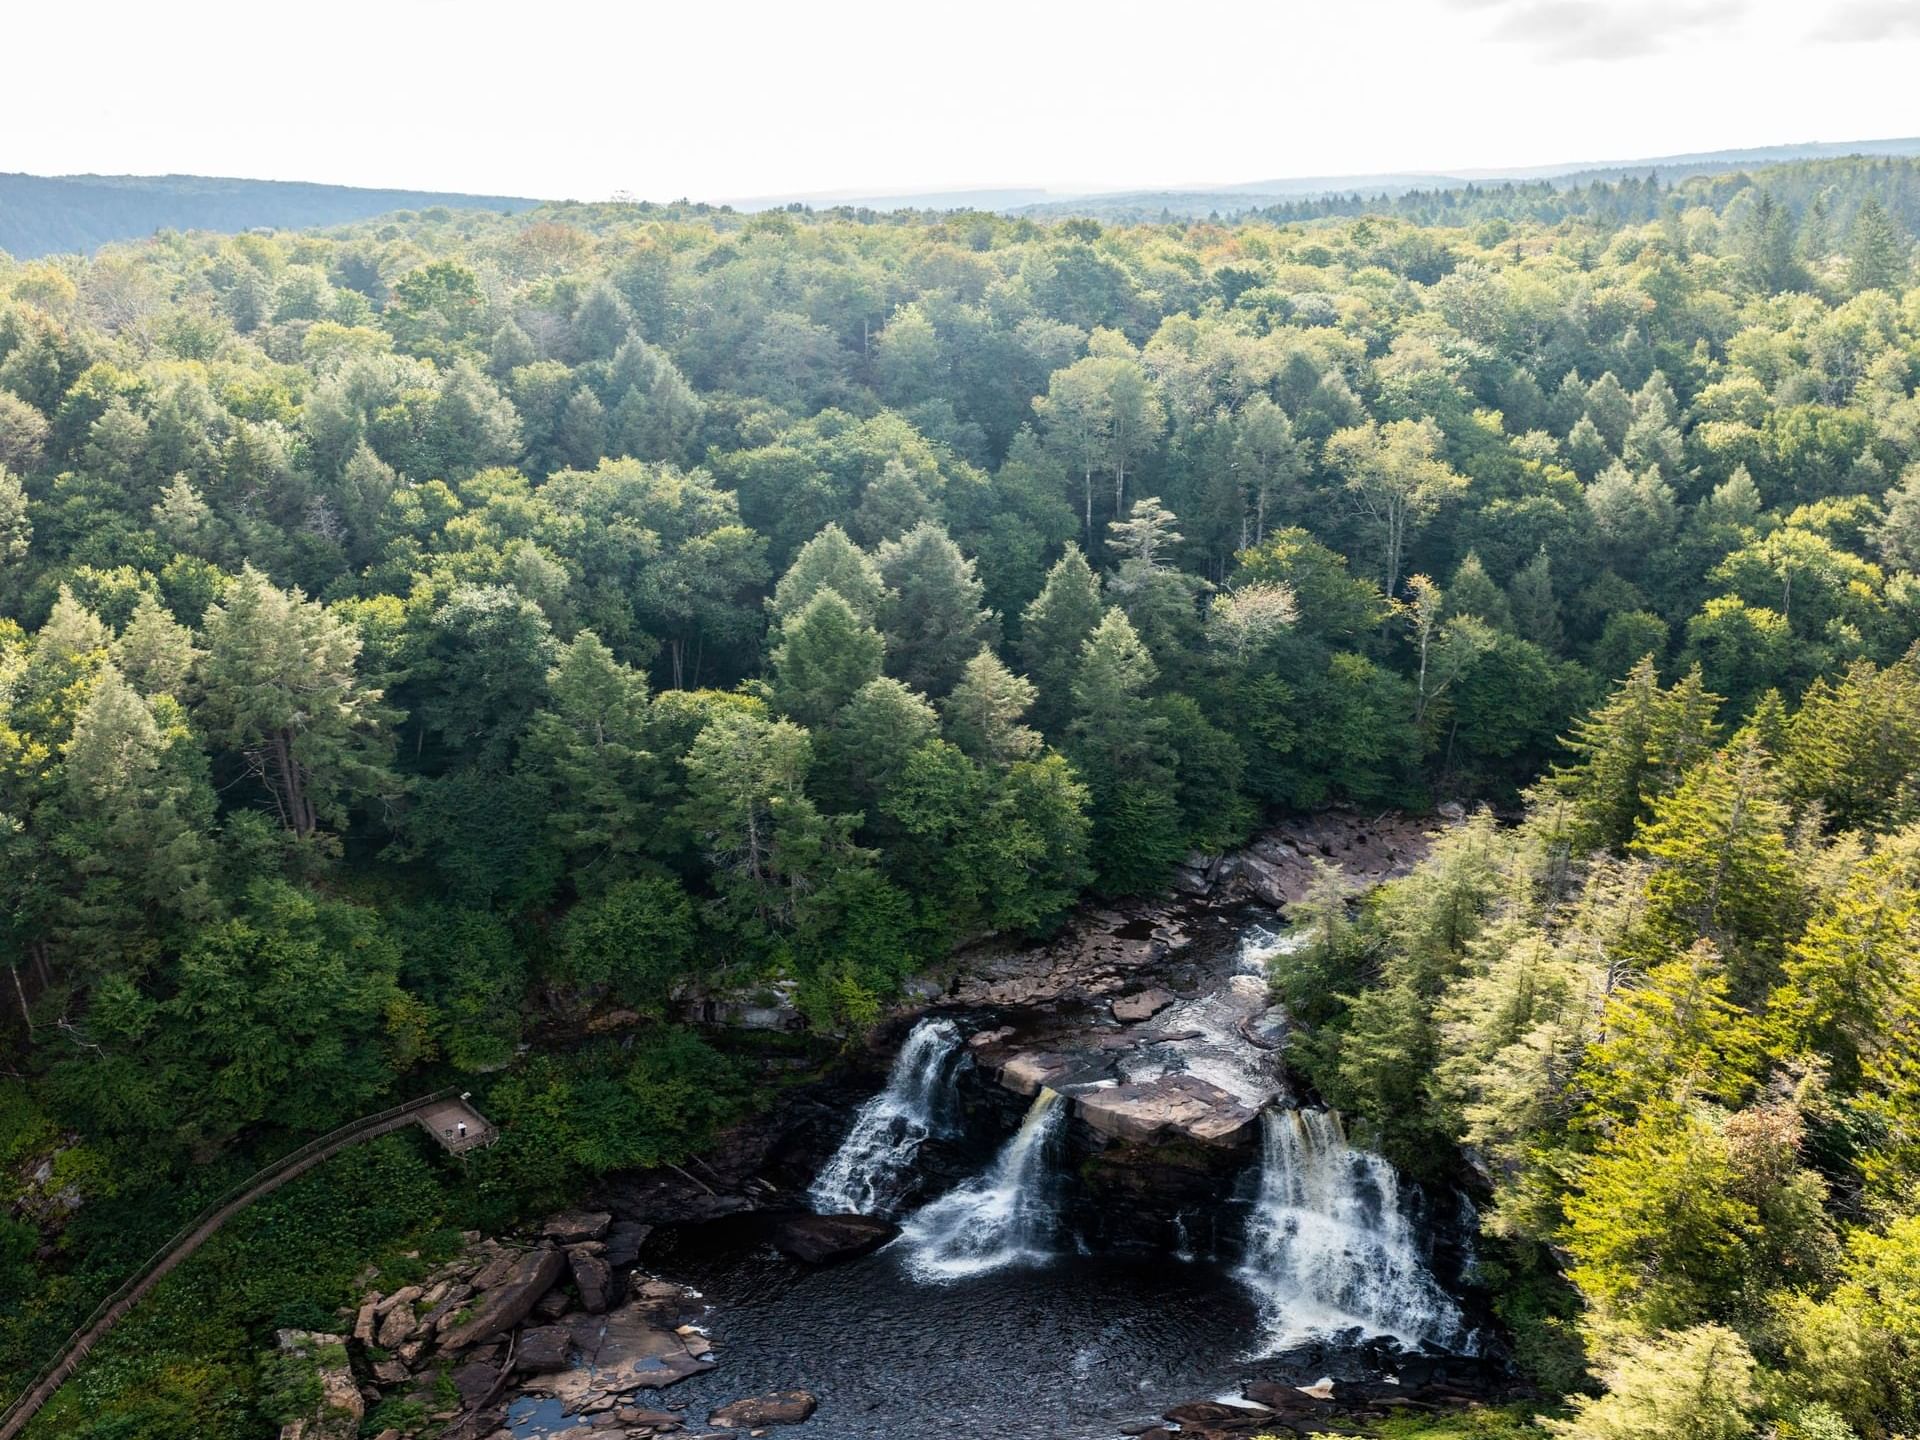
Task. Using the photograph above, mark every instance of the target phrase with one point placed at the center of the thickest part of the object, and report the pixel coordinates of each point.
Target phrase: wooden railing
(189, 1238)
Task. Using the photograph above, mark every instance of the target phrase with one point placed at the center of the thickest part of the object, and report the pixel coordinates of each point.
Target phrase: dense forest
(419, 637)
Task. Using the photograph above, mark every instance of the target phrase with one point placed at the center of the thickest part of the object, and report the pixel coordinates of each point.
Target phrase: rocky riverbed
(1151, 1023)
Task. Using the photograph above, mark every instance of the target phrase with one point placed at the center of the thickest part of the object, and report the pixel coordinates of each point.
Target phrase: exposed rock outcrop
(337, 1413)
(510, 1301)
(1173, 1106)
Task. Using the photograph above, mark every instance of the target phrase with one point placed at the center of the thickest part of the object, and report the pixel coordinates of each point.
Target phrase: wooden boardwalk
(456, 1124)
(445, 1115)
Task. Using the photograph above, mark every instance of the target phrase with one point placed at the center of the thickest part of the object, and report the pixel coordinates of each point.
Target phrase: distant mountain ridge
(1191, 201)
(52, 214)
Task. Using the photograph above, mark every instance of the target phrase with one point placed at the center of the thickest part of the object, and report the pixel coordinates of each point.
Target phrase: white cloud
(1870, 20)
(1605, 29)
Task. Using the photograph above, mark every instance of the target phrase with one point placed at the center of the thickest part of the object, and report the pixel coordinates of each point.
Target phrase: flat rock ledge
(1171, 1107)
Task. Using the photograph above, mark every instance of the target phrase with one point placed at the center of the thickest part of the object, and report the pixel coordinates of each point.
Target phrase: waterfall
(1330, 1245)
(1001, 1216)
(868, 1172)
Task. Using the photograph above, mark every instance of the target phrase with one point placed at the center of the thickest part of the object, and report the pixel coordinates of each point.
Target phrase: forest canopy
(419, 633)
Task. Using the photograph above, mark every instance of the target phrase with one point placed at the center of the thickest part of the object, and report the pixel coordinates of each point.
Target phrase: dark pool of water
(1068, 1349)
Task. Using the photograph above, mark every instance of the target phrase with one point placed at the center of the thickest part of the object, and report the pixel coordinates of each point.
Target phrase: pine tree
(892, 504)
(1657, 1231)
(1535, 608)
(872, 740)
(829, 561)
(931, 612)
(1853, 747)
(1672, 1031)
(582, 437)
(1877, 253)
(1610, 409)
(510, 348)
(137, 809)
(1052, 631)
(1117, 742)
(1631, 750)
(589, 746)
(748, 808)
(1472, 592)
(1587, 449)
(656, 415)
(155, 653)
(1723, 870)
(826, 653)
(1697, 1384)
(1146, 535)
(984, 712)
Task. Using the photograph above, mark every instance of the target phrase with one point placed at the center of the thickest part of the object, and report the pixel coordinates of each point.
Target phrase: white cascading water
(869, 1171)
(1330, 1245)
(1001, 1216)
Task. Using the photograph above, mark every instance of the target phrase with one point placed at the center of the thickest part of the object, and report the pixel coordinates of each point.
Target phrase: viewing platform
(457, 1125)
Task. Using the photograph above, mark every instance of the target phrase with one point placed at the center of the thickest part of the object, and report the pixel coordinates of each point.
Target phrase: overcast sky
(708, 99)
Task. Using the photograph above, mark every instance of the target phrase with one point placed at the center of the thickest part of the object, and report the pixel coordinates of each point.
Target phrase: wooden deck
(456, 1125)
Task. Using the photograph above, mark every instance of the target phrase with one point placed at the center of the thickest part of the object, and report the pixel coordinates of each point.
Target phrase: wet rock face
(1132, 1009)
(825, 1239)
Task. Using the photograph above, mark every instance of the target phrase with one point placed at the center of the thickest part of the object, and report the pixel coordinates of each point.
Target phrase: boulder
(396, 1328)
(363, 1323)
(406, 1295)
(495, 1270)
(592, 1276)
(624, 1239)
(1132, 1009)
(509, 1302)
(823, 1239)
(1276, 885)
(543, 1348)
(782, 1407)
(572, 1226)
(1189, 881)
